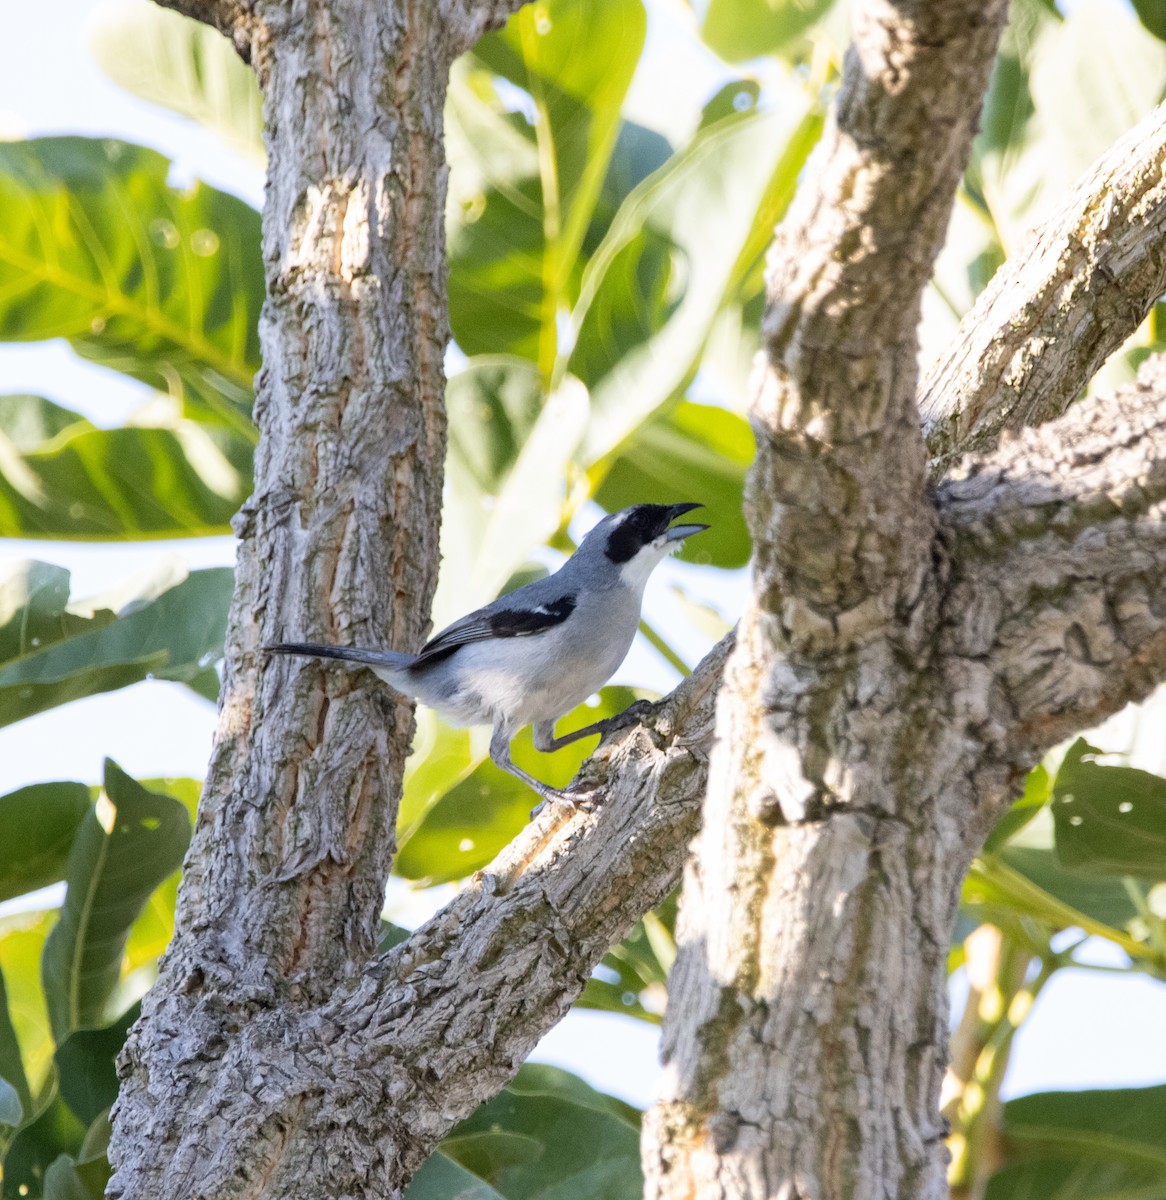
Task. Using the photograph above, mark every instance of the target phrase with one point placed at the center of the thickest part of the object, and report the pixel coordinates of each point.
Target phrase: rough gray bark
(286, 873)
(1053, 314)
(859, 760)
(276, 1057)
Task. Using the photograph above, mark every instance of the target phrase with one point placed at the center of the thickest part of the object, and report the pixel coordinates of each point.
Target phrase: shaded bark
(805, 1036)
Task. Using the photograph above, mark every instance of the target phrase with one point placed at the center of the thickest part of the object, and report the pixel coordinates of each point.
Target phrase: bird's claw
(632, 715)
(577, 800)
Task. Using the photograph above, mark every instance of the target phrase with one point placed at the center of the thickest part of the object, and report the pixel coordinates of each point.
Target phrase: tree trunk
(285, 877)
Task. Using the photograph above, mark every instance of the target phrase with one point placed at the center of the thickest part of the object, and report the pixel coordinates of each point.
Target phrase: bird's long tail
(386, 660)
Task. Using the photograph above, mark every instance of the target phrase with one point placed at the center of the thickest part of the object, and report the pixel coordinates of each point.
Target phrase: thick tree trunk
(806, 1026)
(285, 877)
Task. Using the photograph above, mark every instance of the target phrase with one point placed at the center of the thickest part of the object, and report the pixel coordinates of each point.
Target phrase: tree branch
(835, 497)
(1054, 313)
(443, 1021)
(236, 20)
(470, 19)
(1060, 541)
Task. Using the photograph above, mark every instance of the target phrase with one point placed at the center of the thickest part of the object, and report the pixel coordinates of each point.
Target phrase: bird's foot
(575, 799)
(632, 715)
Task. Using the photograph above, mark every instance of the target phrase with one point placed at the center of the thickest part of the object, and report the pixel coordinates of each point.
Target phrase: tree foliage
(605, 292)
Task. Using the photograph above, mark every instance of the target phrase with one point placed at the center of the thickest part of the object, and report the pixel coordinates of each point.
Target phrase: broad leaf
(39, 824)
(1093, 78)
(550, 1134)
(161, 283)
(126, 846)
(1038, 791)
(16, 1105)
(744, 170)
(1109, 820)
(1087, 1144)
(176, 636)
(82, 482)
(154, 927)
(742, 29)
(1152, 14)
(34, 598)
(87, 1066)
(22, 939)
(516, 250)
(633, 976)
(441, 1178)
(11, 1109)
(509, 454)
(182, 64)
(37, 1146)
(696, 445)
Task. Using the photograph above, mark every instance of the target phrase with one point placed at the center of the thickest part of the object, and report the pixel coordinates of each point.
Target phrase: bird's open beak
(679, 532)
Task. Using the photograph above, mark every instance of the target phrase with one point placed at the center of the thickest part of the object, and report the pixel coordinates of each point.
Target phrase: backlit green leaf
(175, 636)
(161, 283)
(126, 846)
(1109, 820)
(183, 64)
(83, 482)
(39, 824)
(698, 446)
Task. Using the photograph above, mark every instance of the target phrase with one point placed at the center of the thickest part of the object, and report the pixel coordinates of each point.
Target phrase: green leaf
(37, 1146)
(742, 29)
(1095, 1144)
(127, 845)
(633, 976)
(33, 608)
(1093, 77)
(549, 1134)
(83, 482)
(182, 64)
(441, 1178)
(63, 1183)
(1009, 175)
(697, 447)
(29, 421)
(39, 823)
(745, 171)
(175, 636)
(29, 1042)
(1152, 14)
(87, 1066)
(459, 810)
(11, 1109)
(520, 251)
(509, 454)
(1109, 820)
(164, 284)
(1038, 790)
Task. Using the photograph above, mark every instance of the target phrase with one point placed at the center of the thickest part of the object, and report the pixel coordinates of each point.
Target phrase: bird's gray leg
(500, 757)
(544, 732)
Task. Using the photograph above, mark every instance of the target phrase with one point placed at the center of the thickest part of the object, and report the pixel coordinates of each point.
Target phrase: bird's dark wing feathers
(494, 622)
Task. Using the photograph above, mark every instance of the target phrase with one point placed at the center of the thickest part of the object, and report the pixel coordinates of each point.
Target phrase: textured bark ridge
(906, 655)
(1047, 320)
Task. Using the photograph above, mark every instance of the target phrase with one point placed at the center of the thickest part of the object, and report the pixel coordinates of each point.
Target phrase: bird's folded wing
(497, 622)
